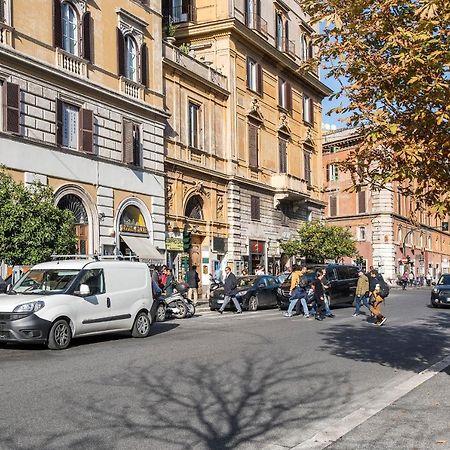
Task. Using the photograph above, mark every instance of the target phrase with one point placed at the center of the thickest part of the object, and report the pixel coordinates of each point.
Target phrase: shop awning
(143, 248)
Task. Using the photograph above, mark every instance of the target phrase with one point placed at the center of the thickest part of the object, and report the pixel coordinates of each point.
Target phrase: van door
(92, 310)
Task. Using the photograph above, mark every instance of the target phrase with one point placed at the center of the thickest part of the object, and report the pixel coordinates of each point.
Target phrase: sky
(333, 120)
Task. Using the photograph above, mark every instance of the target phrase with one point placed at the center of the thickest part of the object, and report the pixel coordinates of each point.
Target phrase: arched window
(69, 29)
(131, 58)
(194, 208)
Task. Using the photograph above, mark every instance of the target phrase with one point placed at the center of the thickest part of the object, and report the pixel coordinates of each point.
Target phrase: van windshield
(49, 281)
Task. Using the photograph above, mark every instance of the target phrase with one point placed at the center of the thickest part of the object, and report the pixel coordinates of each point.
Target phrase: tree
(392, 59)
(32, 227)
(318, 241)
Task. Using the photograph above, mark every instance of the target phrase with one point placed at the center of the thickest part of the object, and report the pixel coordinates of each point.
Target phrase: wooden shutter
(252, 145)
(327, 170)
(59, 122)
(307, 164)
(286, 36)
(144, 65)
(127, 154)
(87, 42)
(280, 92)
(57, 24)
(333, 206)
(2, 11)
(255, 208)
(11, 107)
(282, 147)
(120, 53)
(361, 202)
(86, 128)
(288, 96)
(248, 72)
(260, 80)
(311, 111)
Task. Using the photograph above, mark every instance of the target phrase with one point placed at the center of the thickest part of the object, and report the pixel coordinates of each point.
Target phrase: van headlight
(29, 307)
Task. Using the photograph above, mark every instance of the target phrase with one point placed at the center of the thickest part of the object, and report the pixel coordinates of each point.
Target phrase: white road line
(335, 429)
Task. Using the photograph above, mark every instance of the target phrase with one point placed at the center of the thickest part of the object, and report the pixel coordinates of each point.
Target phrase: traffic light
(186, 241)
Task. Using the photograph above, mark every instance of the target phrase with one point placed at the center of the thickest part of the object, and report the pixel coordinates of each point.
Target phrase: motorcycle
(175, 305)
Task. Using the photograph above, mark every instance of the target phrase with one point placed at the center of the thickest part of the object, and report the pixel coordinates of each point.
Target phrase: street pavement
(251, 381)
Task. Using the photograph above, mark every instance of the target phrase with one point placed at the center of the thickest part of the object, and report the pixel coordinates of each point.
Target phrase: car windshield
(445, 279)
(49, 281)
(245, 281)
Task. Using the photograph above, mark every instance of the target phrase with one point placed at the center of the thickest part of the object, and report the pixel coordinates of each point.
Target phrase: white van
(59, 300)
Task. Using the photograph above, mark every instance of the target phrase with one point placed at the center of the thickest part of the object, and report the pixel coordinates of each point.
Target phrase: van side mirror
(84, 290)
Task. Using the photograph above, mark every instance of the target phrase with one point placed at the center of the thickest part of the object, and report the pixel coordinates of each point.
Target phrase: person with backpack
(379, 290)
(298, 290)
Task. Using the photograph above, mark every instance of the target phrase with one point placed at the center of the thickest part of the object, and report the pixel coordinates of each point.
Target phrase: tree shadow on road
(226, 405)
(410, 347)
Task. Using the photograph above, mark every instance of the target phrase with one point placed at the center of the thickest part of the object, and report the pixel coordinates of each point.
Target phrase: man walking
(319, 295)
(298, 290)
(229, 290)
(362, 293)
(192, 280)
(377, 300)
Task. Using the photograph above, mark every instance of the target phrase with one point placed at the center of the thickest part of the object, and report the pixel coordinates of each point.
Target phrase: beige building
(83, 111)
(269, 143)
(391, 233)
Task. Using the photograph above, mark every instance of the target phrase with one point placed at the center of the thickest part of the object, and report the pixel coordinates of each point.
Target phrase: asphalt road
(251, 381)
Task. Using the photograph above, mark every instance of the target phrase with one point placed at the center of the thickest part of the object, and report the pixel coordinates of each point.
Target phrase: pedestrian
(411, 278)
(192, 280)
(326, 296)
(429, 277)
(404, 280)
(244, 272)
(168, 286)
(162, 277)
(229, 291)
(298, 291)
(319, 295)
(154, 274)
(375, 281)
(259, 270)
(362, 293)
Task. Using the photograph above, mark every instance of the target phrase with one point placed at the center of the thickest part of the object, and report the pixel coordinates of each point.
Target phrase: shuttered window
(282, 148)
(307, 166)
(86, 129)
(254, 76)
(284, 94)
(253, 131)
(11, 107)
(361, 202)
(333, 206)
(2, 11)
(132, 146)
(308, 109)
(193, 124)
(255, 208)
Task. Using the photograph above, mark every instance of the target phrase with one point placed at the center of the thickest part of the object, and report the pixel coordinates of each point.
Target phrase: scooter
(175, 305)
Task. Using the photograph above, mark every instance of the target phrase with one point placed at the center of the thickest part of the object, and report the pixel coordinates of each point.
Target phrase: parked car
(59, 300)
(342, 279)
(253, 292)
(440, 294)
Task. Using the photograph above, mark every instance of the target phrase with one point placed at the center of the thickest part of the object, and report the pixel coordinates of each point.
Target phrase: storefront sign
(174, 244)
(132, 228)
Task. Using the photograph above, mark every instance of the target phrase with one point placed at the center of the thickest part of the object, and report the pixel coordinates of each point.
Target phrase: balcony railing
(131, 88)
(257, 23)
(180, 14)
(289, 47)
(5, 34)
(285, 183)
(71, 63)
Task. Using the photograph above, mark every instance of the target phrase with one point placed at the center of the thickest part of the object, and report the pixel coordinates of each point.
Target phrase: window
(303, 48)
(5, 11)
(132, 60)
(69, 29)
(279, 37)
(282, 148)
(255, 208)
(94, 279)
(307, 166)
(361, 233)
(11, 107)
(361, 202)
(308, 109)
(194, 208)
(132, 146)
(284, 94)
(332, 172)
(74, 127)
(178, 10)
(399, 236)
(254, 76)
(333, 206)
(253, 147)
(131, 63)
(193, 125)
(252, 12)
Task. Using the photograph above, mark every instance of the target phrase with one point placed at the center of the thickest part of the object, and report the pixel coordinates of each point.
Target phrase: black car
(341, 278)
(440, 295)
(253, 292)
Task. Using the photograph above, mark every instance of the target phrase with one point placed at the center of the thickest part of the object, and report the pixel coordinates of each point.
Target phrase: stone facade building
(83, 112)
(268, 146)
(382, 222)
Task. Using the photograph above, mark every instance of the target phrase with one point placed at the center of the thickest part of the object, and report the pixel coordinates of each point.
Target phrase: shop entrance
(256, 255)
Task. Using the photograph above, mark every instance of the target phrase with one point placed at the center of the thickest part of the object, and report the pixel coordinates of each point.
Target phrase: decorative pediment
(255, 111)
(284, 125)
(130, 24)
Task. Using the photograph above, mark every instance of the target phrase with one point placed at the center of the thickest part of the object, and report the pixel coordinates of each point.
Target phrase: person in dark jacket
(319, 295)
(376, 299)
(229, 290)
(168, 287)
(192, 280)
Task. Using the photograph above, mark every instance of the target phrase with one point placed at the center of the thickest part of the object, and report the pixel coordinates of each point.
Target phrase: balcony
(71, 63)
(289, 47)
(288, 187)
(131, 88)
(5, 34)
(191, 64)
(257, 23)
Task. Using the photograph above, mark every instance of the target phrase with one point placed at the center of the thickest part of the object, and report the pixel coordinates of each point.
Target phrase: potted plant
(170, 31)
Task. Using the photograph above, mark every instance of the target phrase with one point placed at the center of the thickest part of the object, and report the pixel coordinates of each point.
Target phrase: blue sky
(327, 104)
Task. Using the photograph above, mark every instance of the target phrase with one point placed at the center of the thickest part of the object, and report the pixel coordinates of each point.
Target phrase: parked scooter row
(176, 305)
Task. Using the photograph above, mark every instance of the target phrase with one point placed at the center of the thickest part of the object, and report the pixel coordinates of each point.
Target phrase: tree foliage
(318, 241)
(392, 57)
(32, 227)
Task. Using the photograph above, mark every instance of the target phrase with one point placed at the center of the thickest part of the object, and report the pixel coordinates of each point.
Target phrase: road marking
(335, 429)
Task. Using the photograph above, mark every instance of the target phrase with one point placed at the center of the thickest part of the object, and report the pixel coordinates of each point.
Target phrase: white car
(59, 300)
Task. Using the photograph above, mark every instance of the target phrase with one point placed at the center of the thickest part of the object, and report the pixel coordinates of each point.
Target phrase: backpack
(384, 288)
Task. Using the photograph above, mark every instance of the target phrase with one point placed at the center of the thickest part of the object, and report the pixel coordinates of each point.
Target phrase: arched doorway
(74, 204)
(194, 208)
(131, 222)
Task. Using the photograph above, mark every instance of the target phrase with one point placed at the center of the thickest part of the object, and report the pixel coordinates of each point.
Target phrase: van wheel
(60, 335)
(253, 304)
(141, 327)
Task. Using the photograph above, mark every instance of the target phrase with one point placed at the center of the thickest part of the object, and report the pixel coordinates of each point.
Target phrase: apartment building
(392, 234)
(270, 138)
(83, 112)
